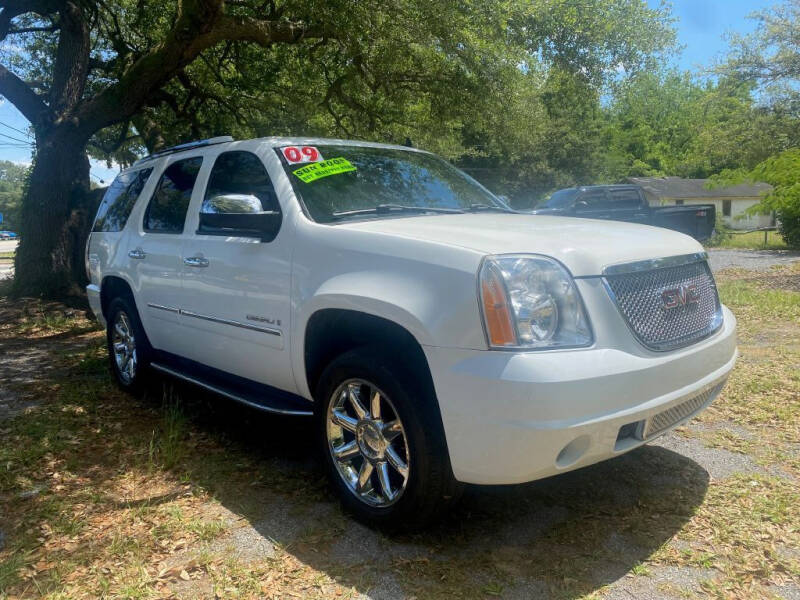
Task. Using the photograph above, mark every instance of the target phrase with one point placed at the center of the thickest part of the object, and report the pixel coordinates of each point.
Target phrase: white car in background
(437, 337)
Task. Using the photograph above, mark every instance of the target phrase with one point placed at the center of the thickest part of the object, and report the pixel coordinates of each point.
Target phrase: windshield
(348, 182)
(560, 199)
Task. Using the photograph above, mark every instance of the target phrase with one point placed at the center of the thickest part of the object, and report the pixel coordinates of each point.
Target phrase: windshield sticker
(318, 170)
(301, 154)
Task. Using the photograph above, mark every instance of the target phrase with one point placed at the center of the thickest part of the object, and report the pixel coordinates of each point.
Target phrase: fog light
(573, 452)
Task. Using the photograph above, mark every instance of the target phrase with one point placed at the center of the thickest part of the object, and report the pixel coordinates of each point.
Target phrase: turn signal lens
(496, 310)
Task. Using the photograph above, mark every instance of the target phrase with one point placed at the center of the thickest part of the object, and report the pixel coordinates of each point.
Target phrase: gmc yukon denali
(436, 337)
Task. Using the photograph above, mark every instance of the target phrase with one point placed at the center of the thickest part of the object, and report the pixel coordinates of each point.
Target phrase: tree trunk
(56, 210)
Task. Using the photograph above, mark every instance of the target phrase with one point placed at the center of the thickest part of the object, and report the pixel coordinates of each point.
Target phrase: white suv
(436, 336)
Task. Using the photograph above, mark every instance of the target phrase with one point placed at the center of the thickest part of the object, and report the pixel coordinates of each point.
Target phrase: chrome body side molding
(188, 313)
(268, 330)
(165, 308)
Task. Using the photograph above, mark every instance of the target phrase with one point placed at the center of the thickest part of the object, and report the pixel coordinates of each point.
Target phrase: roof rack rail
(187, 146)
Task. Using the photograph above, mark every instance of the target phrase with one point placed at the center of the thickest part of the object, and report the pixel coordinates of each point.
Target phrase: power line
(25, 133)
(16, 139)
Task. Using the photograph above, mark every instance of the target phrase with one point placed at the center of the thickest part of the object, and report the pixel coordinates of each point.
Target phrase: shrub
(789, 227)
(721, 233)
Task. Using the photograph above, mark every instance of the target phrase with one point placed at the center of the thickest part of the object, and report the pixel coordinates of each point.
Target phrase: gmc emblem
(680, 296)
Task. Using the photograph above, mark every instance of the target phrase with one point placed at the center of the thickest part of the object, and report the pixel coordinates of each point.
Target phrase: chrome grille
(640, 296)
(664, 420)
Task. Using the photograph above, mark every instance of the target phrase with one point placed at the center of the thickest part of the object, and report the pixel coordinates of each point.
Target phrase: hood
(584, 246)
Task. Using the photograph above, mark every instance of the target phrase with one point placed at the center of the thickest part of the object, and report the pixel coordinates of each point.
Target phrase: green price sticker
(318, 170)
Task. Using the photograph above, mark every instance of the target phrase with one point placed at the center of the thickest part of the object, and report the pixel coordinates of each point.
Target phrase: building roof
(678, 187)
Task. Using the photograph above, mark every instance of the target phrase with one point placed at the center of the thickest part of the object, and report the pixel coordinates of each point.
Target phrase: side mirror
(238, 215)
(581, 205)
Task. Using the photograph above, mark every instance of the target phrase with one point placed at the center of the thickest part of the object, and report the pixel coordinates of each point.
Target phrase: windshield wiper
(385, 209)
(477, 207)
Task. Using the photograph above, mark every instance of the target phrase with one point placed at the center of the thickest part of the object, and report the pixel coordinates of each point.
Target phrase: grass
(180, 494)
(752, 240)
(7, 255)
(37, 318)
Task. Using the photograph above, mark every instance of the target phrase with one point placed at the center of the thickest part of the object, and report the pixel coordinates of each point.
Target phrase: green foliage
(509, 89)
(12, 181)
(528, 96)
(671, 124)
(770, 55)
(722, 234)
(789, 228)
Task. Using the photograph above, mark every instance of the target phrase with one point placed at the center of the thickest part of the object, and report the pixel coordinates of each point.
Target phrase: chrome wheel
(367, 443)
(123, 344)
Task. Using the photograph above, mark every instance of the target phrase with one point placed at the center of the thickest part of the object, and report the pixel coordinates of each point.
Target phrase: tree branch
(201, 24)
(263, 33)
(72, 58)
(22, 96)
(15, 8)
(50, 29)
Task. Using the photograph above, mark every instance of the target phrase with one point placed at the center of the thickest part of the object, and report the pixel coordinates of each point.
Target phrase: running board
(258, 396)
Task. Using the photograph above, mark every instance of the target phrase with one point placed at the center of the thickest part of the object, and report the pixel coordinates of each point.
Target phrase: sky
(701, 27)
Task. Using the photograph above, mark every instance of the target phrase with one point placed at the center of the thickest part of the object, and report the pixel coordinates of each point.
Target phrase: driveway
(751, 260)
(8, 246)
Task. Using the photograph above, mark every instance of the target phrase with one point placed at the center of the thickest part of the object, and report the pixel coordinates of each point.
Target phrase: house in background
(731, 202)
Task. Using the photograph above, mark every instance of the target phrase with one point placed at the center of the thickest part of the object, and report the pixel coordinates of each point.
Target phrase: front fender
(413, 303)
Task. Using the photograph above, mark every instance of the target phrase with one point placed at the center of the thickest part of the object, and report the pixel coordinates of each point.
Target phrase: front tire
(129, 351)
(383, 442)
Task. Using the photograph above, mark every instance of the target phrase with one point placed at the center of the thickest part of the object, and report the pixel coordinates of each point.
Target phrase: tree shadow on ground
(565, 536)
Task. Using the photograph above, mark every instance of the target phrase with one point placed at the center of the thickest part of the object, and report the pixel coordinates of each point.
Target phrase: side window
(242, 173)
(726, 208)
(594, 199)
(166, 212)
(119, 200)
(625, 198)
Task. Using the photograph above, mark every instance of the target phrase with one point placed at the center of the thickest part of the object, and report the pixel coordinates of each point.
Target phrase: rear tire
(129, 351)
(390, 469)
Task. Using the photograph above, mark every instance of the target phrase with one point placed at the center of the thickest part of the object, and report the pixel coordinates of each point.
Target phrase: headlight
(531, 302)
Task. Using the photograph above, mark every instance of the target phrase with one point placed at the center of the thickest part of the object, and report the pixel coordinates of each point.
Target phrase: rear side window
(595, 200)
(240, 172)
(166, 211)
(625, 198)
(119, 200)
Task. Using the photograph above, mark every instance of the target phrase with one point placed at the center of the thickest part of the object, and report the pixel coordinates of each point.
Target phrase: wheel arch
(111, 287)
(330, 332)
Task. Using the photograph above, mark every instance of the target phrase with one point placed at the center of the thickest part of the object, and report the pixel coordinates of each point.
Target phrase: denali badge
(261, 319)
(680, 296)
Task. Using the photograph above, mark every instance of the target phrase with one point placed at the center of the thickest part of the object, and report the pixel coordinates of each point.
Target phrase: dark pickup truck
(628, 203)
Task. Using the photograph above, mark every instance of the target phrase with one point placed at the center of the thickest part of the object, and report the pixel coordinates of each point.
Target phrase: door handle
(195, 261)
(137, 253)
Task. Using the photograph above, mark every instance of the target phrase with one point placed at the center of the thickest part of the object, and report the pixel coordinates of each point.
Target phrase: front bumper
(516, 417)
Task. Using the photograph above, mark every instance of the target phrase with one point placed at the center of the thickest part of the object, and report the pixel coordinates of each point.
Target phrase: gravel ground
(752, 260)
